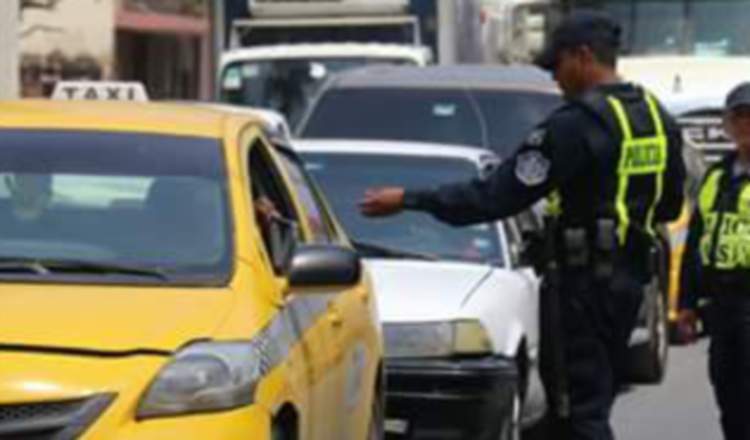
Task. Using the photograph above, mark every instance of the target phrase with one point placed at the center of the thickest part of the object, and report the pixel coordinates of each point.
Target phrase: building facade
(9, 49)
(166, 44)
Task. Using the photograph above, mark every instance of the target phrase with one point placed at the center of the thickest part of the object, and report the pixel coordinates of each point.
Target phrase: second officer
(612, 157)
(717, 265)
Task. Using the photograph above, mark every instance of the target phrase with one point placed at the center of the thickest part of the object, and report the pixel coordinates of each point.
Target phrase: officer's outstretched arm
(549, 156)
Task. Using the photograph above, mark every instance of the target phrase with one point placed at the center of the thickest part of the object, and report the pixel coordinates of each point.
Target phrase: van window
(426, 115)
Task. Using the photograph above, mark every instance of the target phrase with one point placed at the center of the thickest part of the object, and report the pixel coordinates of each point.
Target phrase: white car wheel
(512, 430)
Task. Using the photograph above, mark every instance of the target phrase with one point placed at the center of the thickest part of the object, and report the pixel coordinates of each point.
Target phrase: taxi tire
(284, 426)
(376, 429)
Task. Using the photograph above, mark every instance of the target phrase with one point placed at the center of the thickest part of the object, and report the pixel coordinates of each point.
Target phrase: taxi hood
(686, 83)
(413, 291)
(109, 319)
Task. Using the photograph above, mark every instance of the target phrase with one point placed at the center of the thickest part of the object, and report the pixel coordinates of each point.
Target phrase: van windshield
(286, 85)
(496, 119)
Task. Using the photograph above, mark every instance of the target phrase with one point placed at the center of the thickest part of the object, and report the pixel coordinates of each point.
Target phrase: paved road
(682, 408)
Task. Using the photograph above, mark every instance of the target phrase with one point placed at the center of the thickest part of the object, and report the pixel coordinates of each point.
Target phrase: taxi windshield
(125, 200)
(345, 177)
(286, 85)
(680, 27)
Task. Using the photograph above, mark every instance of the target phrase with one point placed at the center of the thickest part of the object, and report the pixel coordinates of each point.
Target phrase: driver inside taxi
(30, 195)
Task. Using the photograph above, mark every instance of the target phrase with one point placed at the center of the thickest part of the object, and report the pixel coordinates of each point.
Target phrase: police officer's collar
(623, 90)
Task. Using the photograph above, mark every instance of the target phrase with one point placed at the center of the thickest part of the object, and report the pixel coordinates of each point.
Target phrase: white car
(459, 307)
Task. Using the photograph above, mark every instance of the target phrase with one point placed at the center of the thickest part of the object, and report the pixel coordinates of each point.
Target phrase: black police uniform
(579, 153)
(717, 265)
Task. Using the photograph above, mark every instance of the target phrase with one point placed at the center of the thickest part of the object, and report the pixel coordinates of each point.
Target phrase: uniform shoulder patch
(536, 137)
(532, 167)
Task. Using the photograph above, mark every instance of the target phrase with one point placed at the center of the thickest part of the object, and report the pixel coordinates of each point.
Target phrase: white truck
(282, 52)
(689, 53)
(513, 31)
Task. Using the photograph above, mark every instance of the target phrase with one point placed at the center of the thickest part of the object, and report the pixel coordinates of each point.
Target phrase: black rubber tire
(376, 430)
(648, 362)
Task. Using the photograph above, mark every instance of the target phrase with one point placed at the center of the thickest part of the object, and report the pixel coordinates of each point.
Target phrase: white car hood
(685, 83)
(421, 291)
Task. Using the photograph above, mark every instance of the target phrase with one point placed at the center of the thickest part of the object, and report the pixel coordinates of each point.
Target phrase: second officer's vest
(724, 207)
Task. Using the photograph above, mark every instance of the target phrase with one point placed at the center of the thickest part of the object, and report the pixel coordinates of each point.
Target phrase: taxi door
(352, 338)
(310, 311)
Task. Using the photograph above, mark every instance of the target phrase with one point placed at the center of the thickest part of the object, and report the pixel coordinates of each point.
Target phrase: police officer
(717, 265)
(613, 158)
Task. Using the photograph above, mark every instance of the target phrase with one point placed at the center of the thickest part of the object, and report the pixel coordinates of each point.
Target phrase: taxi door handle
(334, 317)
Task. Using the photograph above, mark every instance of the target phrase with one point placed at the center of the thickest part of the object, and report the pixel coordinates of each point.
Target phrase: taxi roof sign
(100, 91)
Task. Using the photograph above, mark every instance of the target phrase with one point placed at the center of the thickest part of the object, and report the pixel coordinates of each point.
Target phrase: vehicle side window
(274, 212)
(529, 221)
(317, 218)
(515, 241)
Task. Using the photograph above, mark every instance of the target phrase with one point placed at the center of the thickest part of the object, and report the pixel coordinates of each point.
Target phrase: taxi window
(274, 212)
(319, 223)
(147, 201)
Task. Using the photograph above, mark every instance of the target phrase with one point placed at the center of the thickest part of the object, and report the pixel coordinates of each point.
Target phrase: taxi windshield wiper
(368, 249)
(42, 266)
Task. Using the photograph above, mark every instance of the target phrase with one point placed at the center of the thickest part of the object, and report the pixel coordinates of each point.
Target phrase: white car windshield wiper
(43, 266)
(375, 250)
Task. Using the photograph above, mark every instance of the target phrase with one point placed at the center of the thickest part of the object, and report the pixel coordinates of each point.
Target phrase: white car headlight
(436, 339)
(207, 376)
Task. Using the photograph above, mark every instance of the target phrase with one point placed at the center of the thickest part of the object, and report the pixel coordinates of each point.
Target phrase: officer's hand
(381, 202)
(687, 321)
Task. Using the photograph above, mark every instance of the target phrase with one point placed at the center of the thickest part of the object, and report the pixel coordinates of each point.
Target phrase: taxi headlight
(436, 339)
(208, 376)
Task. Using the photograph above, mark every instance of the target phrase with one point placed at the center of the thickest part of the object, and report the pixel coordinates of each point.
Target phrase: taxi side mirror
(324, 266)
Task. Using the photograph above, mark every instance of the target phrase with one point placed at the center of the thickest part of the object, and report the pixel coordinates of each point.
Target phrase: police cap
(580, 28)
(738, 97)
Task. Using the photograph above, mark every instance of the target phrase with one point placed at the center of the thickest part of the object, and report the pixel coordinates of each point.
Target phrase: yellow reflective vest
(724, 207)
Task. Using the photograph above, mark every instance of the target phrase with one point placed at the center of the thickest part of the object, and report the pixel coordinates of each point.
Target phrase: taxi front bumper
(87, 418)
(449, 399)
(44, 396)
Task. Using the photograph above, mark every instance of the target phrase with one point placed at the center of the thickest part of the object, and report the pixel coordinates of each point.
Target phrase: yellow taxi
(696, 166)
(167, 273)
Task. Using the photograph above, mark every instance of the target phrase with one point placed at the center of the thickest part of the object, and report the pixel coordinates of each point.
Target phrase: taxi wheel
(377, 417)
(284, 427)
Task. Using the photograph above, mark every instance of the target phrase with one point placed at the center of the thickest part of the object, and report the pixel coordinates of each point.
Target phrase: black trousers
(729, 362)
(598, 321)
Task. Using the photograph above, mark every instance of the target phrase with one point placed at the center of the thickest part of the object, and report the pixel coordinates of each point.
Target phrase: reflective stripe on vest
(725, 242)
(553, 208)
(638, 157)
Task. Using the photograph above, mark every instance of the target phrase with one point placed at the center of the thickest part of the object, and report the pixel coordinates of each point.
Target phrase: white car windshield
(345, 178)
